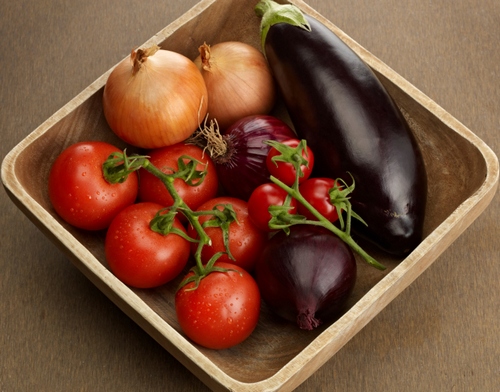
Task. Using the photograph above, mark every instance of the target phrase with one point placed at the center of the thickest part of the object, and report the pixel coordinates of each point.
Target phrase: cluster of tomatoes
(316, 190)
(223, 308)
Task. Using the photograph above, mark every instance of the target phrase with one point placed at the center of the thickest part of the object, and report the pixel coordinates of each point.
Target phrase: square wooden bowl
(462, 173)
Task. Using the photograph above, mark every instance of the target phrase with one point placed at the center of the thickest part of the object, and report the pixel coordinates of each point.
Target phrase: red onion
(306, 276)
(240, 154)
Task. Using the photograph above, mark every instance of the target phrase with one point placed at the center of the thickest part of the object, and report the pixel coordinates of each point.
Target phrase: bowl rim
(323, 347)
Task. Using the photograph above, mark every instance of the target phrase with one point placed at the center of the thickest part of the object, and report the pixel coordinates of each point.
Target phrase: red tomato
(152, 189)
(223, 311)
(78, 190)
(285, 171)
(316, 192)
(246, 241)
(261, 198)
(140, 257)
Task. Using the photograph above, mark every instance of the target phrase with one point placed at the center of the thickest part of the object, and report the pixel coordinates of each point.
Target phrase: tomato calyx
(119, 166)
(222, 216)
(222, 219)
(281, 218)
(201, 271)
(340, 200)
(292, 155)
(164, 223)
(188, 170)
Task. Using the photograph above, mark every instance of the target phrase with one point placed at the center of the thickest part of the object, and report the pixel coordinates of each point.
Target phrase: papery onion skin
(238, 79)
(243, 167)
(159, 104)
(307, 276)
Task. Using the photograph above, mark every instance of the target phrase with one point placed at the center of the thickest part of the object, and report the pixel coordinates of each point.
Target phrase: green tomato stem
(322, 221)
(118, 166)
(179, 204)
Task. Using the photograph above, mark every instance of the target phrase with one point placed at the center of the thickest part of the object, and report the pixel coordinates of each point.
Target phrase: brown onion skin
(238, 79)
(307, 276)
(158, 105)
(243, 167)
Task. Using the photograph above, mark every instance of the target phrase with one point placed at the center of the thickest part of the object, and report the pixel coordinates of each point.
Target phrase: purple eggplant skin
(349, 120)
(306, 276)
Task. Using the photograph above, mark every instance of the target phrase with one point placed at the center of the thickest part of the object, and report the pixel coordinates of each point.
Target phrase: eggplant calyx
(273, 13)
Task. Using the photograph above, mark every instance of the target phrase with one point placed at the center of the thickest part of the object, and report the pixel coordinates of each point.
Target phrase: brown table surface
(59, 333)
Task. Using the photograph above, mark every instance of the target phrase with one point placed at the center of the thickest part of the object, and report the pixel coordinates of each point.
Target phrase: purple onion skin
(243, 167)
(306, 277)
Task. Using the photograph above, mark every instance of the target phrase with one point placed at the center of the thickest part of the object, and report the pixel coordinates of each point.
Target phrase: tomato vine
(339, 197)
(119, 165)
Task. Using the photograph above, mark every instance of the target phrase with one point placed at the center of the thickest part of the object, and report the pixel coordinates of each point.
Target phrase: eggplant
(336, 102)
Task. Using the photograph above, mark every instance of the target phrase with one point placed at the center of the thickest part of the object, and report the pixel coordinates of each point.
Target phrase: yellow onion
(155, 98)
(238, 79)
